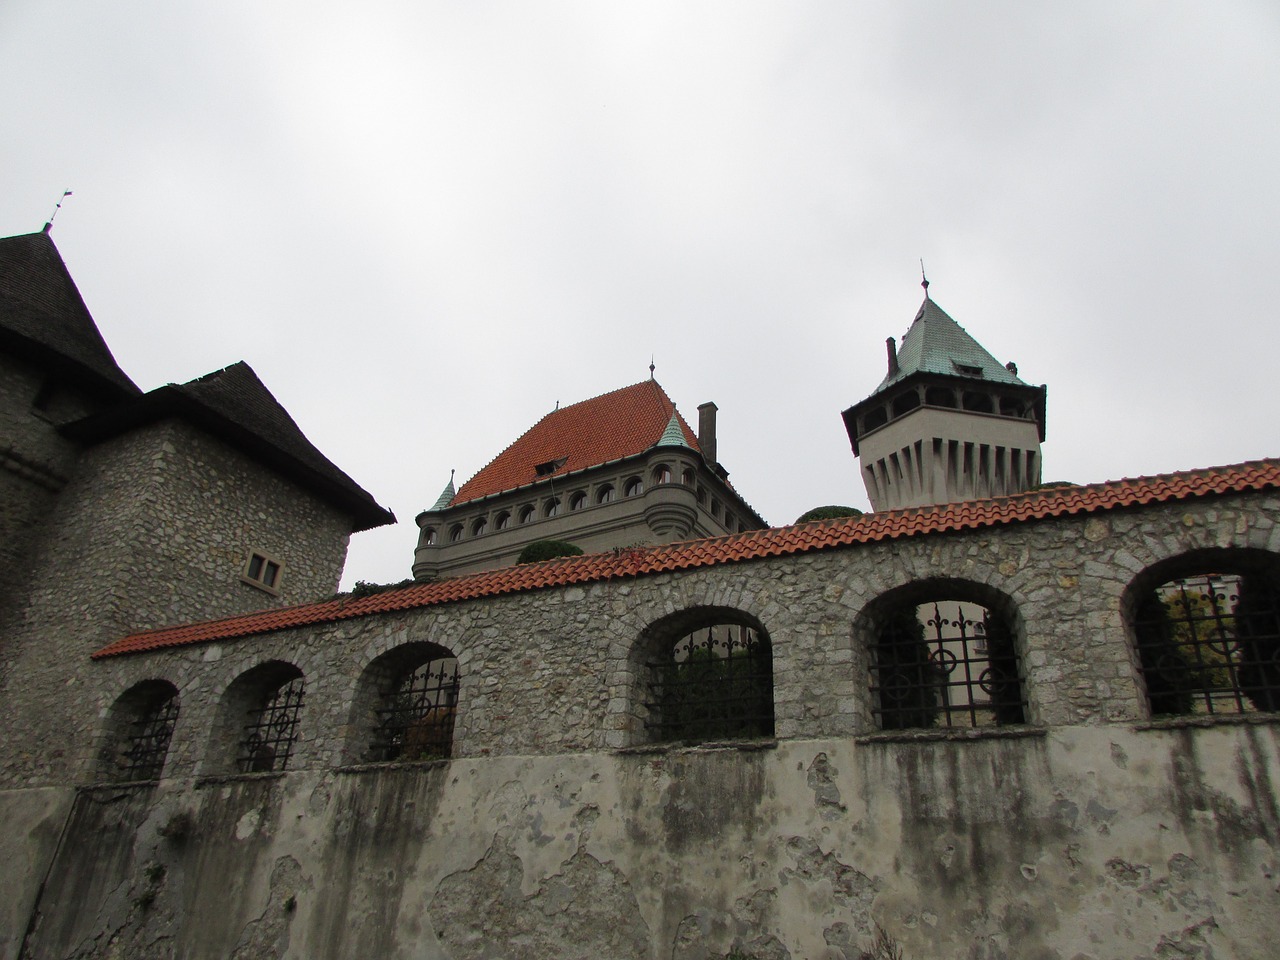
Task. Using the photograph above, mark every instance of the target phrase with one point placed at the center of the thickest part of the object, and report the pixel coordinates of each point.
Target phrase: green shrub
(548, 550)
(832, 512)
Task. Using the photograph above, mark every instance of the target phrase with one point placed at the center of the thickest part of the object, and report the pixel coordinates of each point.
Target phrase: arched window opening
(526, 514)
(551, 508)
(905, 403)
(502, 520)
(715, 508)
(944, 662)
(634, 487)
(480, 527)
(578, 501)
(940, 397)
(662, 473)
(686, 477)
(429, 537)
(1012, 407)
(270, 730)
(1209, 643)
(978, 402)
(455, 534)
(417, 698)
(605, 494)
(872, 419)
(141, 729)
(712, 682)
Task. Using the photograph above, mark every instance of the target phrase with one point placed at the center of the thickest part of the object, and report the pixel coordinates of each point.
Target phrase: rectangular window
(262, 571)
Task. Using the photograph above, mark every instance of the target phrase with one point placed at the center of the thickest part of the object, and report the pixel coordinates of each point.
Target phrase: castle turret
(948, 422)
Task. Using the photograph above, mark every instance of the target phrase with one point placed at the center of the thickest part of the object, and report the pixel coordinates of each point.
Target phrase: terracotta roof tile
(777, 541)
(605, 428)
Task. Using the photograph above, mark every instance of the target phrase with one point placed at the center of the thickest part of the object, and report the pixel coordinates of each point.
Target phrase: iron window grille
(272, 730)
(715, 684)
(146, 743)
(933, 670)
(1210, 644)
(415, 719)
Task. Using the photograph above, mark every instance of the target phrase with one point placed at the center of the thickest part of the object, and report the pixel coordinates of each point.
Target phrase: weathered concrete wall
(1091, 833)
(1111, 841)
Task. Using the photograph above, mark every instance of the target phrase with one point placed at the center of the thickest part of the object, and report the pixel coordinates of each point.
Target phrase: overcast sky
(425, 223)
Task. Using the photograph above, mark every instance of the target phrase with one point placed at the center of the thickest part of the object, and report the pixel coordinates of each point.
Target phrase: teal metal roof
(673, 436)
(446, 496)
(937, 344)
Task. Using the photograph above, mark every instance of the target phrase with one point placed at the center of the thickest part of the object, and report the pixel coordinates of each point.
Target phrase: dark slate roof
(234, 405)
(43, 316)
(935, 343)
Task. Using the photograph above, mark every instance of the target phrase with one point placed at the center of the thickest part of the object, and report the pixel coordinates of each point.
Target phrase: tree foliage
(832, 512)
(548, 550)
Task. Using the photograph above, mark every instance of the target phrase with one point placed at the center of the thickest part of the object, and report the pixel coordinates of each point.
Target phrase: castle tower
(948, 422)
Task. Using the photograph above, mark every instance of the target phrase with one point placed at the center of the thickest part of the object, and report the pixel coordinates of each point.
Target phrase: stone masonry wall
(1091, 833)
(153, 530)
(35, 464)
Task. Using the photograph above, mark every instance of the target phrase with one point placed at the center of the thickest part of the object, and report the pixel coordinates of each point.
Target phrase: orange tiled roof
(774, 542)
(608, 427)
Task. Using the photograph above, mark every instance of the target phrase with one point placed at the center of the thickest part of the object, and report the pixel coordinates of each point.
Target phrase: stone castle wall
(153, 529)
(1091, 832)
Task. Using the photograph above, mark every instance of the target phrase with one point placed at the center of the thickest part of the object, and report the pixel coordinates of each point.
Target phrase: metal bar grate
(147, 742)
(415, 718)
(1210, 644)
(945, 664)
(717, 684)
(272, 730)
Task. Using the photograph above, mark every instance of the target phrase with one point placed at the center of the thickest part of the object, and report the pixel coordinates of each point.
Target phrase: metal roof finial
(924, 281)
(58, 206)
(651, 366)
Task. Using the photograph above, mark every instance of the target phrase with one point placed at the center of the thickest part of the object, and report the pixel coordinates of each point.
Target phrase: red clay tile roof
(608, 427)
(774, 542)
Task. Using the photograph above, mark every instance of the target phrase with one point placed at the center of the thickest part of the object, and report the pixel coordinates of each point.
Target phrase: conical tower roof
(446, 496)
(673, 436)
(935, 343)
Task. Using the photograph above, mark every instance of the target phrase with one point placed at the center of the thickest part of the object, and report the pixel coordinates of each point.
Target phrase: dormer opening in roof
(548, 467)
(948, 422)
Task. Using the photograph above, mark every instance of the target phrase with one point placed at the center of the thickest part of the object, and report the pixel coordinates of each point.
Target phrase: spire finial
(58, 206)
(924, 281)
(651, 366)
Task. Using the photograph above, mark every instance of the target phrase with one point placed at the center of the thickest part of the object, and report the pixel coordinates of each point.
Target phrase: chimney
(707, 430)
(892, 346)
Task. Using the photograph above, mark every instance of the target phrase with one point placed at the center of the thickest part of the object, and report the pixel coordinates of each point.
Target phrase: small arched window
(634, 487)
(686, 477)
(712, 681)
(416, 699)
(139, 732)
(502, 520)
(526, 513)
(429, 536)
(271, 730)
(1209, 642)
(662, 473)
(455, 533)
(551, 508)
(940, 658)
(605, 494)
(578, 501)
(480, 526)
(715, 508)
